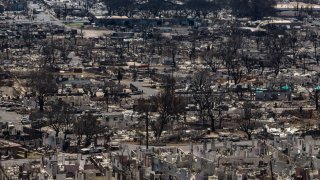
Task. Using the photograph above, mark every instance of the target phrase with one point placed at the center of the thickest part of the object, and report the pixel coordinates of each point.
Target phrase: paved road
(45, 16)
(42, 18)
(147, 92)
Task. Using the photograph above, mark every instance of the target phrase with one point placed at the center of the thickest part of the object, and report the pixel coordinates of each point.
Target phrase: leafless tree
(203, 95)
(314, 38)
(59, 116)
(210, 59)
(88, 126)
(170, 107)
(42, 84)
(119, 75)
(144, 107)
(219, 98)
(49, 51)
(88, 51)
(193, 53)
(292, 39)
(248, 122)
(228, 51)
(171, 50)
(248, 61)
(276, 47)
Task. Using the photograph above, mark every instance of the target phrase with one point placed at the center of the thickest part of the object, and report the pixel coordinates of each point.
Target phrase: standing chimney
(213, 144)
(205, 145)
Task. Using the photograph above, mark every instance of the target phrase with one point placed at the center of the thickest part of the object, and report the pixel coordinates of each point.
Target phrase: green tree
(255, 9)
(120, 7)
(202, 7)
(155, 7)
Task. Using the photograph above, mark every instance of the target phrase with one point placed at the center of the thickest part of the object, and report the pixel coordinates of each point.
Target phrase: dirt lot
(95, 33)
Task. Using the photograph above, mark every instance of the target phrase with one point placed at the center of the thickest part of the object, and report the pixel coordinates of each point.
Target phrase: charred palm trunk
(41, 103)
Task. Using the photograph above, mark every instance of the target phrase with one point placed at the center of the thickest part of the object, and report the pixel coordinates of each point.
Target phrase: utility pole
(65, 11)
(107, 90)
(172, 81)
(52, 48)
(271, 170)
(147, 129)
(317, 99)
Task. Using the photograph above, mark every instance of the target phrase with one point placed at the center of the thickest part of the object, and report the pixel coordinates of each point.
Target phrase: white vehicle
(92, 149)
(140, 79)
(115, 145)
(10, 125)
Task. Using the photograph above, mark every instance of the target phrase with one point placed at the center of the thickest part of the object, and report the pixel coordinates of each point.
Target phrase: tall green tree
(156, 7)
(120, 7)
(201, 7)
(254, 9)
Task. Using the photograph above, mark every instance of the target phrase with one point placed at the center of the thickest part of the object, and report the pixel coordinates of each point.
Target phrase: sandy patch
(95, 33)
